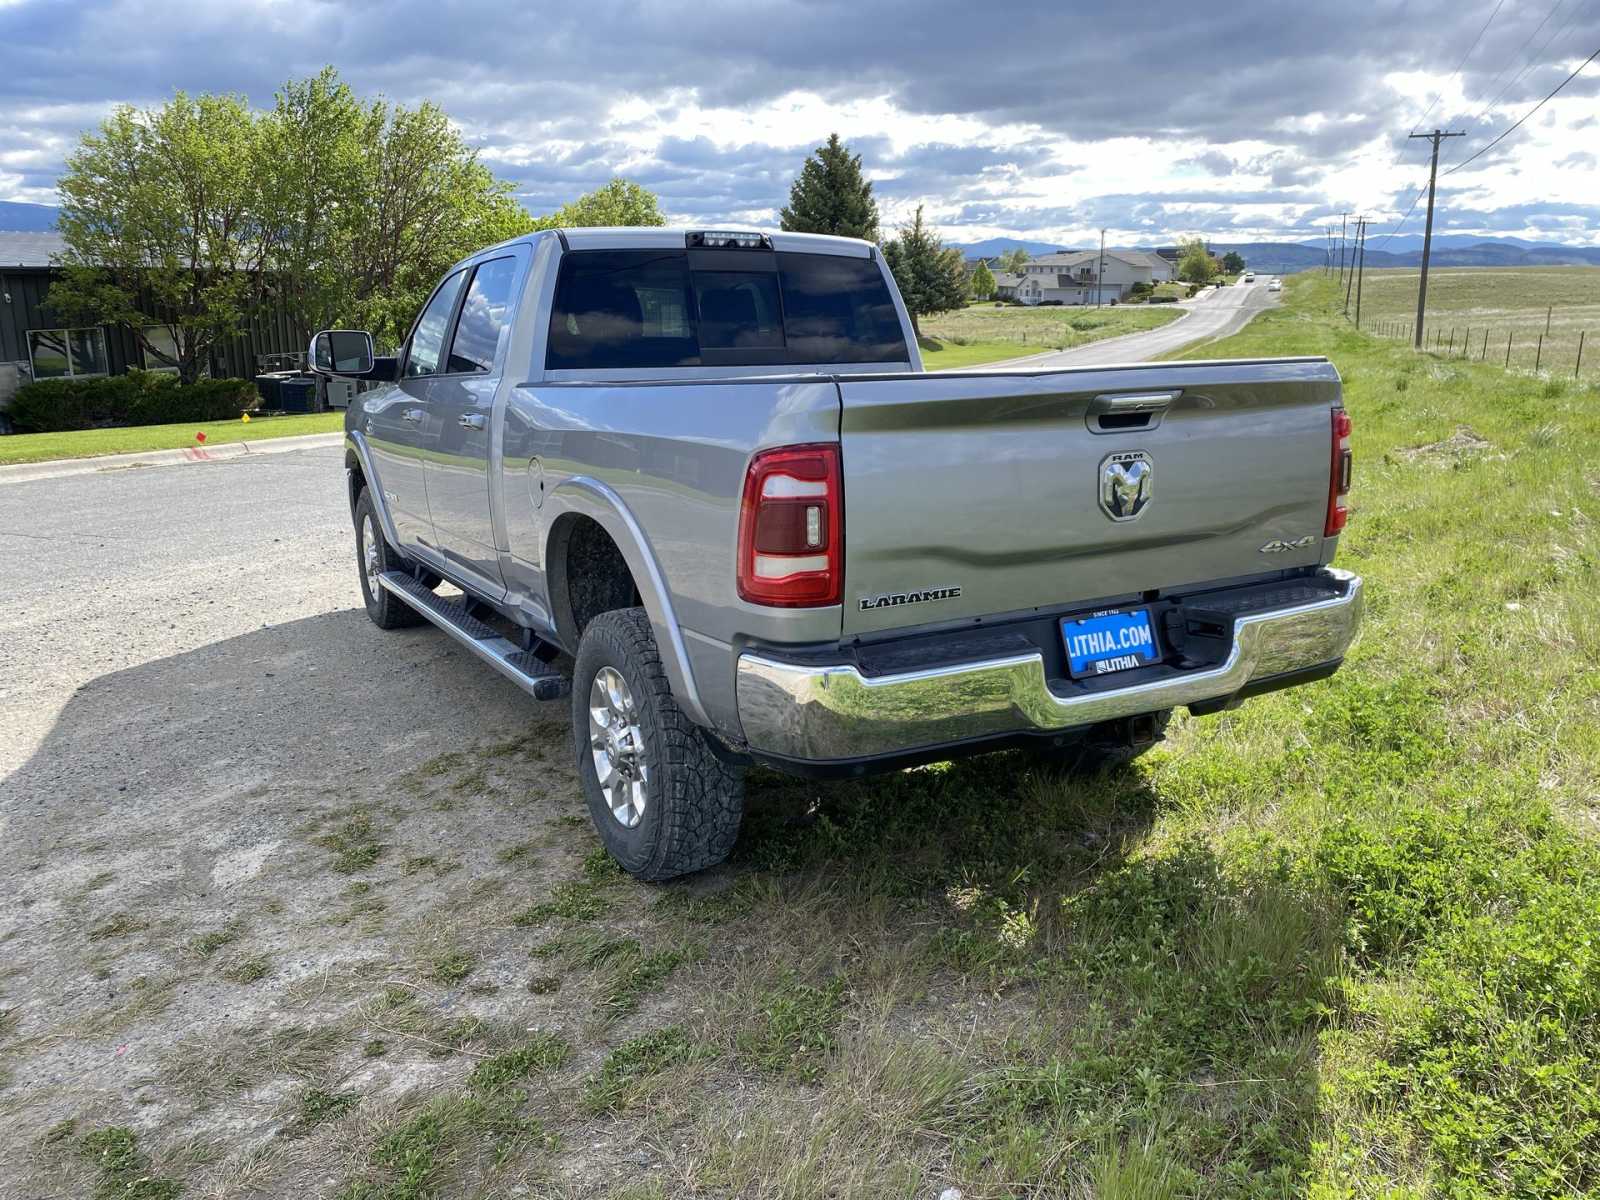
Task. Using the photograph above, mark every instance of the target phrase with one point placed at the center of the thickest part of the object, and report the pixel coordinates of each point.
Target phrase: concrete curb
(56, 468)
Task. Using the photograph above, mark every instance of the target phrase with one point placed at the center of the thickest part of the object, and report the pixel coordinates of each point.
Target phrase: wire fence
(1561, 353)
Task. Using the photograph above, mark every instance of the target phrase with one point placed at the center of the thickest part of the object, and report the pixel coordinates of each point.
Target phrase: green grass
(983, 333)
(1467, 303)
(630, 1066)
(122, 1170)
(88, 443)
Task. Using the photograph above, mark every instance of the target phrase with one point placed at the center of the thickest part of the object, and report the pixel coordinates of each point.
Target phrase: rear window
(648, 308)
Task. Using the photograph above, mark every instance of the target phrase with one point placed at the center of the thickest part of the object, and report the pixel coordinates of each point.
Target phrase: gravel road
(193, 759)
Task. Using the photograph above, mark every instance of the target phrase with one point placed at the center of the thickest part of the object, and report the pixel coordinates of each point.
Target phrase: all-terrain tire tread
(701, 797)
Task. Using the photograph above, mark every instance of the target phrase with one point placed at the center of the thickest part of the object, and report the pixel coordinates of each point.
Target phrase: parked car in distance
(699, 481)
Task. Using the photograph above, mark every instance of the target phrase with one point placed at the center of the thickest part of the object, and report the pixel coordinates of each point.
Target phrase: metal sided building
(34, 344)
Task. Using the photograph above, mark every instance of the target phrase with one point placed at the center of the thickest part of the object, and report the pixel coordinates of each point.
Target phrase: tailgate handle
(1128, 412)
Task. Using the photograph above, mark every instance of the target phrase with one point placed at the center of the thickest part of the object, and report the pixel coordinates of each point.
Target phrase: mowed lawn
(1338, 943)
(89, 443)
(982, 333)
(1474, 311)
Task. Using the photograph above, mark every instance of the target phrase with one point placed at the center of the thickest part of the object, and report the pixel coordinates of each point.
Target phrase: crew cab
(700, 481)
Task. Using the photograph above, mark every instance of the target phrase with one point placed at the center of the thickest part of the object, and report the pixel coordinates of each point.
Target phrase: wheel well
(355, 481)
(588, 576)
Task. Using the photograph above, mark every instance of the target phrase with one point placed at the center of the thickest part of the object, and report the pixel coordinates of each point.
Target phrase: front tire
(662, 802)
(374, 556)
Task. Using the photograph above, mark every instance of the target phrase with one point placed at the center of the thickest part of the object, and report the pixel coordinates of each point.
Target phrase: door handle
(411, 414)
(1128, 411)
(471, 421)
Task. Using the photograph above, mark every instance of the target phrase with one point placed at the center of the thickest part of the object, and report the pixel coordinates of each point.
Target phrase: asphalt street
(1218, 313)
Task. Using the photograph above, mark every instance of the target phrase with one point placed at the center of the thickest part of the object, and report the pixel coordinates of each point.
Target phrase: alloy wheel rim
(370, 564)
(616, 744)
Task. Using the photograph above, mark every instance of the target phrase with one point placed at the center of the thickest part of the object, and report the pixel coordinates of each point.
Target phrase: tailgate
(1052, 489)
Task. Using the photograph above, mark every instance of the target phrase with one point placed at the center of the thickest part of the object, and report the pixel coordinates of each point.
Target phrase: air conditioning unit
(340, 392)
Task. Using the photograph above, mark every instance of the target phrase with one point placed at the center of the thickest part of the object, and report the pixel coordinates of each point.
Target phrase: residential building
(1073, 277)
(34, 344)
(1005, 285)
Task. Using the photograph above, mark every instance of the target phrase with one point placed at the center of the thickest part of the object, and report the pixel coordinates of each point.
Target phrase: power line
(1525, 115)
(1459, 65)
(1533, 58)
(1526, 42)
(1422, 191)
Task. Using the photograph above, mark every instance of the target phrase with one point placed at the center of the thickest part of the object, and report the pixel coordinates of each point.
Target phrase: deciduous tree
(1233, 263)
(617, 203)
(159, 211)
(1195, 264)
(830, 195)
(982, 282)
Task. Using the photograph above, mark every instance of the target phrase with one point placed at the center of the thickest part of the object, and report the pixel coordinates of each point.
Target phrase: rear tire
(662, 802)
(374, 556)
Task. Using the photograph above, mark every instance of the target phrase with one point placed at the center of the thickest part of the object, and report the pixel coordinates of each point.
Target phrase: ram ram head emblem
(1127, 482)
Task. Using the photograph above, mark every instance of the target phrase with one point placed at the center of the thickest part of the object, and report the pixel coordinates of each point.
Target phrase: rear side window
(622, 308)
(647, 308)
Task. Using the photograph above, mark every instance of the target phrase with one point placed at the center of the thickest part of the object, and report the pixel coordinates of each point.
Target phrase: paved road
(1218, 313)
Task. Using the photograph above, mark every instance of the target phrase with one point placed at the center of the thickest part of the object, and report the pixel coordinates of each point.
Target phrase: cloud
(1028, 117)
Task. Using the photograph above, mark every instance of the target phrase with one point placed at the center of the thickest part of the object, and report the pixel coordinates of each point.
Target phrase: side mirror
(342, 352)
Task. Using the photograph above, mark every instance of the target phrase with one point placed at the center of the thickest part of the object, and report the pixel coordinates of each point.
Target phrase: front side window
(485, 318)
(67, 353)
(646, 308)
(427, 340)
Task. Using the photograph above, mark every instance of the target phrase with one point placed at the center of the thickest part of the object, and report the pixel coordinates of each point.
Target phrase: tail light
(1339, 475)
(791, 528)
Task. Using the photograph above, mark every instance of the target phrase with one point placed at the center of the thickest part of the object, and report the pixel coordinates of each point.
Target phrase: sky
(1040, 119)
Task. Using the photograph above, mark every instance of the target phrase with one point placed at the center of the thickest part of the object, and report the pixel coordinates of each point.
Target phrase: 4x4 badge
(1278, 547)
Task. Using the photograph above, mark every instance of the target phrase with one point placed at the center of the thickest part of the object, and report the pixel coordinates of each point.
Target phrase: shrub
(137, 398)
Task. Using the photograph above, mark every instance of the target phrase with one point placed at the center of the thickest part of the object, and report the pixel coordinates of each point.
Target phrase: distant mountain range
(996, 246)
(26, 218)
(1285, 258)
(1275, 258)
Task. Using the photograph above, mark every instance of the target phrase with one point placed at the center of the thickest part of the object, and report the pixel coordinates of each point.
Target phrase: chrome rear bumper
(833, 712)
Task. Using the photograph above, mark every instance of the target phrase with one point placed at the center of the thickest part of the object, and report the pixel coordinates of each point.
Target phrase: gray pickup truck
(699, 480)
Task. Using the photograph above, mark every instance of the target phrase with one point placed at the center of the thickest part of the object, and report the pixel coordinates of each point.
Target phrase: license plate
(1106, 642)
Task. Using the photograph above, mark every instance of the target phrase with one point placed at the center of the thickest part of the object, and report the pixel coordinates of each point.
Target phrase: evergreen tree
(831, 196)
(930, 275)
(982, 282)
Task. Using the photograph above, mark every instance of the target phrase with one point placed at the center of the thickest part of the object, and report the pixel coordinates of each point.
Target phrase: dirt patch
(1463, 443)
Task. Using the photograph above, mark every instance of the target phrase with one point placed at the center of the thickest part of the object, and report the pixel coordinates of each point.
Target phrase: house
(35, 345)
(1005, 285)
(1075, 277)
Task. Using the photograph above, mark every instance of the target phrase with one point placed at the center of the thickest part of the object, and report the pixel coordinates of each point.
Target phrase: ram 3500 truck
(700, 480)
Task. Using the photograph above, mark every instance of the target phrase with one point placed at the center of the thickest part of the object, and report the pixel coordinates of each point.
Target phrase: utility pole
(1361, 249)
(1101, 269)
(1435, 137)
(1350, 276)
(1343, 217)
